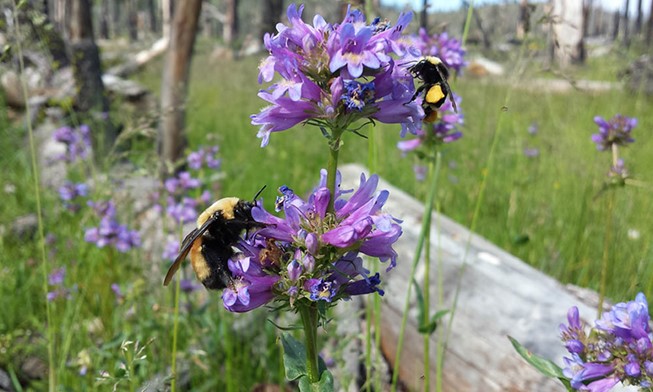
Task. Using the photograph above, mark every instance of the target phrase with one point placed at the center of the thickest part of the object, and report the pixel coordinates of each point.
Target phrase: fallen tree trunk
(499, 296)
(140, 59)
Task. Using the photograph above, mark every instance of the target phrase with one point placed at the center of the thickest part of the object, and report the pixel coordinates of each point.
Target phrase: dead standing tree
(567, 26)
(174, 86)
(90, 97)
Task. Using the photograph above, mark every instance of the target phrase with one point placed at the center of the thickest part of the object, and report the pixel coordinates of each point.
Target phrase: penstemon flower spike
(333, 75)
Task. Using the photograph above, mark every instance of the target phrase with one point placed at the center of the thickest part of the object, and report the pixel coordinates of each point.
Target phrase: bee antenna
(259, 192)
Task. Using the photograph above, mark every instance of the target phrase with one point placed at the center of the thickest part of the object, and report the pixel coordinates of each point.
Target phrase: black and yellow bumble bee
(210, 244)
(433, 74)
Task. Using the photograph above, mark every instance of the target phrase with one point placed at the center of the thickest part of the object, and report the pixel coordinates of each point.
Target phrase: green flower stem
(175, 330)
(426, 223)
(607, 241)
(332, 165)
(434, 173)
(309, 317)
(49, 331)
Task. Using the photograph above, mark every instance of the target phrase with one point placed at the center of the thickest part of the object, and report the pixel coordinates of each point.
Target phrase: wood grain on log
(499, 295)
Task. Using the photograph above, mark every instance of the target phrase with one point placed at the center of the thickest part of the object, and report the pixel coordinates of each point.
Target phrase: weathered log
(139, 59)
(499, 296)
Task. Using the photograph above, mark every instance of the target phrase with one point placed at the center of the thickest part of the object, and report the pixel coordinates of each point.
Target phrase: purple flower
(69, 190)
(445, 130)
(321, 290)
(204, 156)
(251, 287)
(57, 276)
(111, 233)
(533, 128)
(320, 66)
(312, 254)
(627, 320)
(617, 349)
(184, 211)
(56, 280)
(531, 152)
(170, 250)
(182, 183)
(619, 170)
(188, 286)
(115, 287)
(448, 49)
(77, 142)
(616, 131)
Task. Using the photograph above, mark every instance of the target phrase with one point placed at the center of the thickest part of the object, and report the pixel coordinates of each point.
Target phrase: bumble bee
(433, 74)
(210, 244)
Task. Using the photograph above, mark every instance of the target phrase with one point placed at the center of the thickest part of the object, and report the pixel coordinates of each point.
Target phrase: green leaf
(544, 366)
(291, 328)
(324, 385)
(433, 322)
(521, 239)
(294, 360)
(294, 357)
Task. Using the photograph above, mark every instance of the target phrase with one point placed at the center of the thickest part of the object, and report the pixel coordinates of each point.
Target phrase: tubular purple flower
(319, 66)
(616, 131)
(354, 51)
(249, 293)
(294, 269)
(57, 276)
(629, 321)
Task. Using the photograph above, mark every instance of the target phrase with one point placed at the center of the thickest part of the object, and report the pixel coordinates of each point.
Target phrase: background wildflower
(615, 131)
(77, 141)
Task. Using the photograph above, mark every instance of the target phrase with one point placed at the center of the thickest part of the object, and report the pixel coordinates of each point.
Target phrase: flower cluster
(618, 349)
(70, 192)
(448, 49)
(616, 131)
(110, 232)
(335, 74)
(204, 156)
(56, 283)
(446, 130)
(77, 141)
(311, 254)
(179, 206)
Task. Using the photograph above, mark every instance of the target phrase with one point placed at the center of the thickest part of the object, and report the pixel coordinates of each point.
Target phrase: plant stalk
(426, 223)
(309, 317)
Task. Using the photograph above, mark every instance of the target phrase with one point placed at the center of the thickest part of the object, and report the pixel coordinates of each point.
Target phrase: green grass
(542, 209)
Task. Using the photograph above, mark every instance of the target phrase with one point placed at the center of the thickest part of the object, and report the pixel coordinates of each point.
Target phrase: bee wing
(185, 248)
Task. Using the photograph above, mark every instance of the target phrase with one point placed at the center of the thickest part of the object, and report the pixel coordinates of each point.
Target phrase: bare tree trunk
(132, 20)
(649, 28)
(151, 10)
(587, 8)
(615, 25)
(88, 73)
(271, 13)
(523, 26)
(230, 27)
(626, 29)
(104, 19)
(174, 86)
(640, 17)
(423, 16)
(116, 17)
(486, 37)
(166, 17)
(567, 16)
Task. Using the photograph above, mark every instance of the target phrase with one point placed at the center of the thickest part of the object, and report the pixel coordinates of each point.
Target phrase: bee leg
(419, 90)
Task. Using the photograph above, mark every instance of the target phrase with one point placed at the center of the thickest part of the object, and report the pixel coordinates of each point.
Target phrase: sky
(448, 5)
